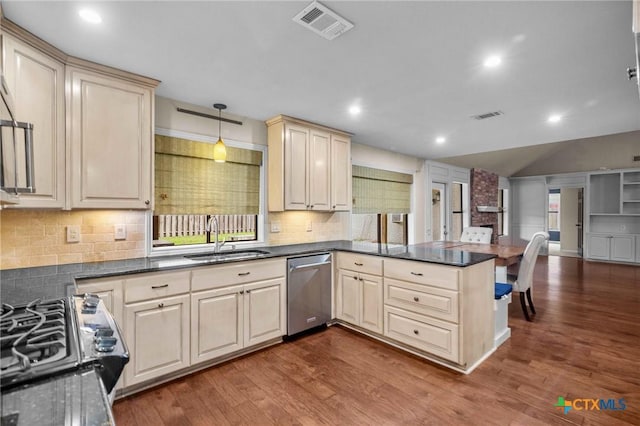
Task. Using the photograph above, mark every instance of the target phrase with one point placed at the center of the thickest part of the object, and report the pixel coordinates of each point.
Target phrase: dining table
(506, 255)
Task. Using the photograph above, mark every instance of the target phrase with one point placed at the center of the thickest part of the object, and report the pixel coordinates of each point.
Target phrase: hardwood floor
(583, 343)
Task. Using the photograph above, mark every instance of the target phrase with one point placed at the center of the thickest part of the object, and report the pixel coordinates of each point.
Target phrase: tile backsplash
(38, 237)
(306, 227)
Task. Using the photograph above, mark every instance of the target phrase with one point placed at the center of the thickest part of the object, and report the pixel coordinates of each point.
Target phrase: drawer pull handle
(243, 274)
(416, 332)
(358, 264)
(416, 299)
(155, 287)
(417, 274)
(160, 305)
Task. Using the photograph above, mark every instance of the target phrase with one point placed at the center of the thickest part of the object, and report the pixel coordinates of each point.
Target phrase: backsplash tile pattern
(294, 225)
(38, 237)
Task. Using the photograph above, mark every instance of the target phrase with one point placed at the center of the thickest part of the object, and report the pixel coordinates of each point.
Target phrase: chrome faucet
(213, 220)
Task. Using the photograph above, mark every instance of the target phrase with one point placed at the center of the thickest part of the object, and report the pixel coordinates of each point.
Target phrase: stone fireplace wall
(484, 192)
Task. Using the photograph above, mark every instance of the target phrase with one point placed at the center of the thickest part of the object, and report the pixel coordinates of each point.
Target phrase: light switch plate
(275, 227)
(120, 232)
(309, 226)
(73, 233)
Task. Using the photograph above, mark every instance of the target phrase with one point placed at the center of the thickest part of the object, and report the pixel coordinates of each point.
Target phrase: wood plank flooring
(583, 343)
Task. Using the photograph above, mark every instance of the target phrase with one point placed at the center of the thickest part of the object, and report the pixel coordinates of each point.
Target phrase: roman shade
(188, 181)
(380, 191)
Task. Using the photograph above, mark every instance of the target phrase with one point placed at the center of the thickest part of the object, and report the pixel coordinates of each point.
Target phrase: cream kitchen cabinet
(156, 318)
(440, 310)
(340, 173)
(359, 291)
(236, 306)
(110, 140)
(309, 166)
(35, 79)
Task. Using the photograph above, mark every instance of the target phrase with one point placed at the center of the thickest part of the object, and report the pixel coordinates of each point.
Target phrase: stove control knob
(105, 344)
(104, 331)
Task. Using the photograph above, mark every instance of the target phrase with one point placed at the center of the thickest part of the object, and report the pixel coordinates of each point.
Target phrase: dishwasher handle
(310, 265)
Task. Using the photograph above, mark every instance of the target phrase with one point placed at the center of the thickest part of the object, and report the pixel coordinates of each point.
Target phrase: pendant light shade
(219, 150)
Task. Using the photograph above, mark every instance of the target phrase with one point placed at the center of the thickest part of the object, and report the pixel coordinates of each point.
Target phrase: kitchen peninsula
(435, 303)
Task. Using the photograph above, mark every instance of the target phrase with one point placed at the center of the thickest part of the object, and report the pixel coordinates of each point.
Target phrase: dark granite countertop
(76, 398)
(47, 282)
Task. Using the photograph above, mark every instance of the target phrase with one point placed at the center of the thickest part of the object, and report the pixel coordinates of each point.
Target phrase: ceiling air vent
(323, 21)
(487, 115)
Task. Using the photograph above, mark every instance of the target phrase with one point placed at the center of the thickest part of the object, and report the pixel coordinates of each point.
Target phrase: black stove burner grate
(33, 335)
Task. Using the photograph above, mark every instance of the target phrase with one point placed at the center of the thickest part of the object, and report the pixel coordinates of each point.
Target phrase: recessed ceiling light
(90, 15)
(492, 61)
(554, 118)
(440, 140)
(355, 110)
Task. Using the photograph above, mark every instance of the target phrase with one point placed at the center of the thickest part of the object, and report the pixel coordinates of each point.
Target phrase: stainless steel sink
(226, 255)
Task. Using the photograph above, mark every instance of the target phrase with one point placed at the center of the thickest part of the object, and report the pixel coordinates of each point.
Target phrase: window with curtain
(381, 203)
(190, 188)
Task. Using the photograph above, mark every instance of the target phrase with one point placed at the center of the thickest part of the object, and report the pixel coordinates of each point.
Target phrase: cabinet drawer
(153, 286)
(422, 299)
(422, 273)
(237, 273)
(360, 263)
(430, 335)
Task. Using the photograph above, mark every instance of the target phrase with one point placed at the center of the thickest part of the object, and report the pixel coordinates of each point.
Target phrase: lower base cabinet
(618, 248)
(157, 334)
(228, 319)
(360, 299)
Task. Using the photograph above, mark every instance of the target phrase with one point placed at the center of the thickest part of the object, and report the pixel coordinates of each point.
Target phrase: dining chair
(523, 281)
(476, 234)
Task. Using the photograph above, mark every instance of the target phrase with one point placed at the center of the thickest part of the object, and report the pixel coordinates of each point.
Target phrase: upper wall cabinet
(93, 126)
(110, 141)
(36, 82)
(309, 166)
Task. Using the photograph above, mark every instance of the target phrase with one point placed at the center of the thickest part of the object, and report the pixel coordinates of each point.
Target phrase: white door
(439, 211)
(348, 291)
(263, 313)
(371, 304)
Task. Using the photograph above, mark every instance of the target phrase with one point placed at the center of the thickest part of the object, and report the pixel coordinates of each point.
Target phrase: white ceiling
(415, 68)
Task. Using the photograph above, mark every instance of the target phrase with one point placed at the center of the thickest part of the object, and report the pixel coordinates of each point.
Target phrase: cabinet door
(340, 173)
(110, 291)
(157, 334)
(264, 315)
(296, 156)
(216, 323)
(599, 246)
(110, 142)
(36, 82)
(348, 297)
(319, 171)
(623, 248)
(371, 303)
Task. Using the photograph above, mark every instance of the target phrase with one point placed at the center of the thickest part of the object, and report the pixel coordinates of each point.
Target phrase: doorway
(564, 222)
(438, 211)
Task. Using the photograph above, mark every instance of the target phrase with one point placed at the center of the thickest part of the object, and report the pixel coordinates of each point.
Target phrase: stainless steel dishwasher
(308, 292)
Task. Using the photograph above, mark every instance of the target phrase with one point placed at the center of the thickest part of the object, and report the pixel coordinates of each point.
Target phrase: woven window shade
(188, 181)
(380, 191)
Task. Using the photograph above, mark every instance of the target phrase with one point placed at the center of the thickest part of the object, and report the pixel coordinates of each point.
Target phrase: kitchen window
(381, 204)
(191, 189)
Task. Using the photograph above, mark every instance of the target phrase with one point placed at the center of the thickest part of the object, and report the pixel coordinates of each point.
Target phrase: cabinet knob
(355, 277)
(160, 305)
(416, 332)
(248, 291)
(311, 205)
(147, 202)
(416, 299)
(241, 291)
(334, 206)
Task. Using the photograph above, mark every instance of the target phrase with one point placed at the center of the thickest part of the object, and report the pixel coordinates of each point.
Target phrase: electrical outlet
(275, 227)
(309, 226)
(73, 233)
(120, 232)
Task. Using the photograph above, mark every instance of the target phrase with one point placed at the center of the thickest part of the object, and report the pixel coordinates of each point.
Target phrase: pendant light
(219, 150)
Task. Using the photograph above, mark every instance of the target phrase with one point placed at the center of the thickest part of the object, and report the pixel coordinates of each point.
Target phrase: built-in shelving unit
(613, 231)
